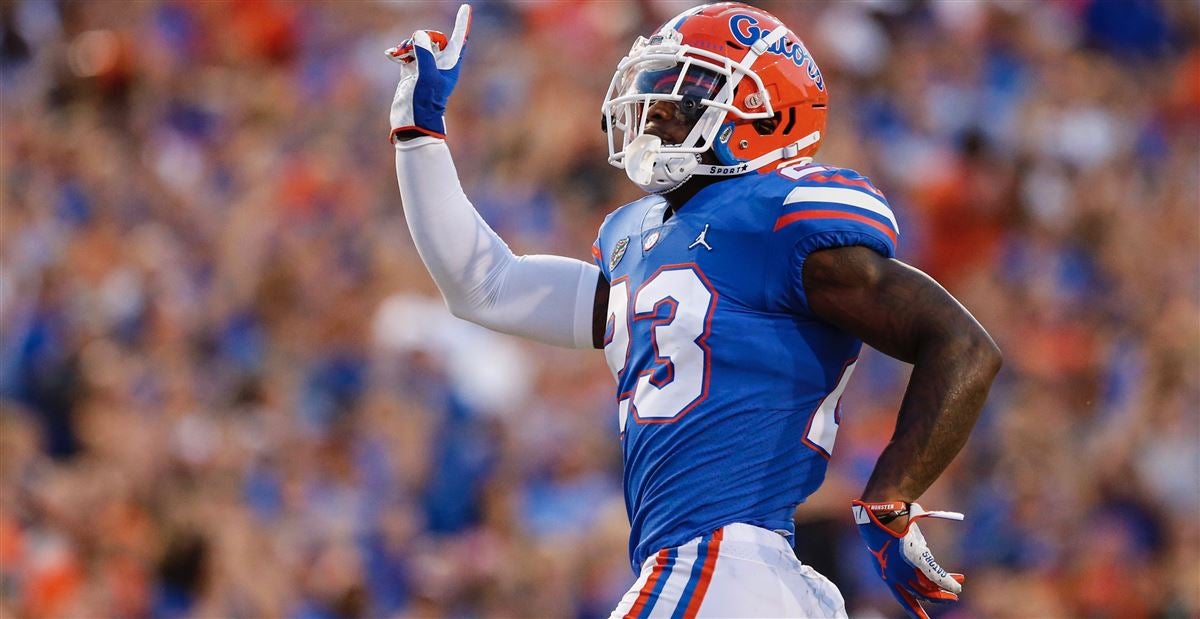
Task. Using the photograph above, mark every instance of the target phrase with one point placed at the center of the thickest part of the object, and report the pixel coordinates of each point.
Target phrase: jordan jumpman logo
(700, 240)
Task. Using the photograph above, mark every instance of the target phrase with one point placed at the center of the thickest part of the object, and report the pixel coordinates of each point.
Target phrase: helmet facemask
(701, 84)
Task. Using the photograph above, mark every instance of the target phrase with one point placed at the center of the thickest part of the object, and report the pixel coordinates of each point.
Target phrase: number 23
(676, 379)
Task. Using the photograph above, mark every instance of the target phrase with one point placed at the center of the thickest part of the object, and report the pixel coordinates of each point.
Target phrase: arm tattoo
(903, 313)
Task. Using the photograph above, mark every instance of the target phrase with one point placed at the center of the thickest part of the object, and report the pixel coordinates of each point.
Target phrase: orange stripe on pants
(659, 561)
(710, 565)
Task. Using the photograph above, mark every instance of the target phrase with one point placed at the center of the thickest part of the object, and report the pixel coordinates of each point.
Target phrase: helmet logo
(726, 133)
(746, 31)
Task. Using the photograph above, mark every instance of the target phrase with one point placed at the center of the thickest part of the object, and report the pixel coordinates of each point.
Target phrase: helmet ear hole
(767, 126)
(791, 120)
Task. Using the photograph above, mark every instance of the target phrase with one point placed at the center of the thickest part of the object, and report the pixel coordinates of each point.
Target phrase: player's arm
(904, 313)
(546, 298)
(907, 315)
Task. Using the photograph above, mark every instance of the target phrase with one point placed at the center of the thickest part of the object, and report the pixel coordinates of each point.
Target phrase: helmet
(748, 83)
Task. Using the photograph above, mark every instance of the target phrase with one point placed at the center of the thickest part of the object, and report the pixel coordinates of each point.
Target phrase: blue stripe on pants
(693, 578)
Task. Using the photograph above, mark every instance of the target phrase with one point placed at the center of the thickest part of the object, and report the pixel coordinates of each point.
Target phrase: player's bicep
(887, 304)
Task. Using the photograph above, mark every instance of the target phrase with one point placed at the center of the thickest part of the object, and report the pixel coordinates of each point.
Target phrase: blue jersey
(728, 385)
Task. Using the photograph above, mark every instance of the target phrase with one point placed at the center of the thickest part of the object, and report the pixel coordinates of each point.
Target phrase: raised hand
(429, 62)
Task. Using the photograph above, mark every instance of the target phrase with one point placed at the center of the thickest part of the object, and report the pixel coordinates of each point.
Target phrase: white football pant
(738, 570)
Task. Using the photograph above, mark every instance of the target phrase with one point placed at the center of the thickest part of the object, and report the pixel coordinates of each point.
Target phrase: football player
(731, 303)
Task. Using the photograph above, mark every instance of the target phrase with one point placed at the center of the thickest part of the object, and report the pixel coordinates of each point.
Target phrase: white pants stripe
(737, 571)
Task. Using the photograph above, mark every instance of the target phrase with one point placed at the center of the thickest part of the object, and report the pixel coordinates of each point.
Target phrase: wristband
(887, 512)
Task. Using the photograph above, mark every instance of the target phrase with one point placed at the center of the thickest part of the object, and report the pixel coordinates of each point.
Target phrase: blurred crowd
(229, 389)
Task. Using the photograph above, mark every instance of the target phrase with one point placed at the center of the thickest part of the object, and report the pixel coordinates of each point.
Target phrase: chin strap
(646, 166)
(787, 152)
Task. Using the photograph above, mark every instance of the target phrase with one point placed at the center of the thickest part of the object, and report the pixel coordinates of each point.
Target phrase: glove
(902, 559)
(429, 64)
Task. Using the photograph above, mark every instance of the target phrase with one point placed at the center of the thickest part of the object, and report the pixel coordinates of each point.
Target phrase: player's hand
(429, 64)
(903, 560)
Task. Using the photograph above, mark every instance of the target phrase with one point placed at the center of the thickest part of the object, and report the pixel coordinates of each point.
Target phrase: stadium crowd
(229, 389)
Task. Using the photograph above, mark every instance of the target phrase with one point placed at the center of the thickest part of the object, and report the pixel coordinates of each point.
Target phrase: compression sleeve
(544, 298)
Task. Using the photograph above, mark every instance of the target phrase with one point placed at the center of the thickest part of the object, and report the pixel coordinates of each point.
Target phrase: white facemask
(659, 168)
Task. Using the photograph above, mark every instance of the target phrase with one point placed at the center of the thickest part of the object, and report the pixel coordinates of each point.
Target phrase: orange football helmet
(754, 92)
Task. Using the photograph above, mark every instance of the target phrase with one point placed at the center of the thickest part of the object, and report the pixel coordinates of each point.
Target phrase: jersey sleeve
(600, 249)
(598, 258)
(831, 208)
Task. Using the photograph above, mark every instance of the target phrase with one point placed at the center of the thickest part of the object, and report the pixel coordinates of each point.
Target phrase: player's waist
(742, 540)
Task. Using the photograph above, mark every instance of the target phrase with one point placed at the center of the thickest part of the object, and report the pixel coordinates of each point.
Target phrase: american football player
(731, 303)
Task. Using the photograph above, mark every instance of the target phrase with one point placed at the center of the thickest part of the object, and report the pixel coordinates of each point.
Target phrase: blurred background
(229, 389)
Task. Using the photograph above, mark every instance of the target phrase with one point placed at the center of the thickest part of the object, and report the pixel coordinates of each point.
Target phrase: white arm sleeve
(544, 298)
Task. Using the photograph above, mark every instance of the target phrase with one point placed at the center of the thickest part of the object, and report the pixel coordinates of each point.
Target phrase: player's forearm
(904, 313)
(951, 376)
(545, 298)
(456, 245)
